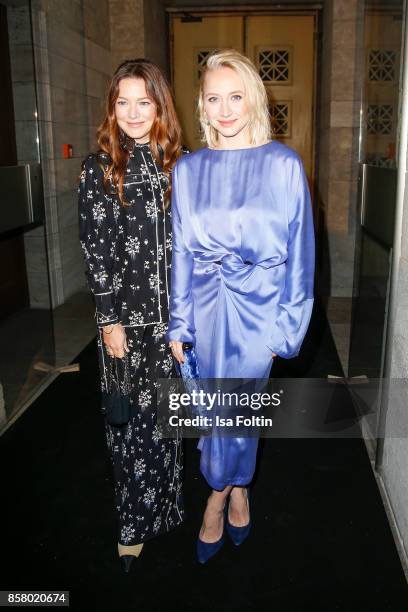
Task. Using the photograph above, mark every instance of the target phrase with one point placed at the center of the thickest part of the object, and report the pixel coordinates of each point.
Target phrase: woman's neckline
(265, 144)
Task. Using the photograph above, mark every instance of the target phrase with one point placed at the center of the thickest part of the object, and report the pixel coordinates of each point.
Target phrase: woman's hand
(274, 355)
(177, 350)
(114, 337)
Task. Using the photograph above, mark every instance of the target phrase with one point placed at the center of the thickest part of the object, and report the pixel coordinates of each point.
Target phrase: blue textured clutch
(190, 374)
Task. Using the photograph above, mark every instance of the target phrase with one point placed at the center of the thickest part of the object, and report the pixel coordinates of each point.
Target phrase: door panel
(193, 42)
(282, 48)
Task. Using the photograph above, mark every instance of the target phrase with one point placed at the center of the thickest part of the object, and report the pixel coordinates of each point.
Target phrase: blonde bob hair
(259, 125)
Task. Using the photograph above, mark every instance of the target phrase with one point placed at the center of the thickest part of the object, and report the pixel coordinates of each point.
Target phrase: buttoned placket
(157, 241)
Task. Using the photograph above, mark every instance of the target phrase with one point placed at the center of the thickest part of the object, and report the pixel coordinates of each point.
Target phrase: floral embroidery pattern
(127, 252)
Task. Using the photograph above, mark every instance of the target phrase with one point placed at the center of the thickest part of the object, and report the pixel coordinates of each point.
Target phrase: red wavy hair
(165, 132)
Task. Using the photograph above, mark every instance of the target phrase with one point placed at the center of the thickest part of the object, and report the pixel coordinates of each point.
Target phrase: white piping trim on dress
(164, 235)
(176, 462)
(178, 443)
(103, 359)
(141, 324)
(157, 232)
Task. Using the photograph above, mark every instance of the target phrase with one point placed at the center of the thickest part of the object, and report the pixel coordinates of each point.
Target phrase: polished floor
(321, 539)
(38, 341)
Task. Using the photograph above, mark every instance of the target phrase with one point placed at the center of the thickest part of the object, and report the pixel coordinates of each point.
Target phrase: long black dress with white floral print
(128, 256)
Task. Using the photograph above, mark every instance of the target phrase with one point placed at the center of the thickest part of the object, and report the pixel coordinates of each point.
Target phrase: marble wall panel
(24, 100)
(345, 9)
(27, 140)
(66, 74)
(324, 141)
(199, 3)
(54, 259)
(341, 142)
(343, 74)
(46, 131)
(18, 19)
(341, 249)
(344, 114)
(72, 58)
(72, 261)
(96, 22)
(93, 145)
(344, 33)
(155, 40)
(42, 65)
(67, 204)
(72, 55)
(43, 102)
(67, 173)
(97, 57)
(22, 63)
(341, 193)
(69, 106)
(127, 30)
(324, 112)
(343, 169)
(400, 366)
(77, 108)
(324, 166)
(338, 140)
(36, 265)
(69, 14)
(95, 83)
(96, 109)
(65, 42)
(51, 214)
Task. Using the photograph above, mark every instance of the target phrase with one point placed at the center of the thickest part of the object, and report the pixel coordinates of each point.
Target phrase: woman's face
(135, 111)
(226, 107)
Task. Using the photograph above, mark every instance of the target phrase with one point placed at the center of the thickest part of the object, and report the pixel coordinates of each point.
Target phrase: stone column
(127, 30)
(338, 151)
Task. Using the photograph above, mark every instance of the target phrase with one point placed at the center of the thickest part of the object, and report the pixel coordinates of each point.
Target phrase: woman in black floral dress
(125, 235)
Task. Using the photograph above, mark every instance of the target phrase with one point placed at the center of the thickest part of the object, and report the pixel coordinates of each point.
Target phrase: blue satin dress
(242, 274)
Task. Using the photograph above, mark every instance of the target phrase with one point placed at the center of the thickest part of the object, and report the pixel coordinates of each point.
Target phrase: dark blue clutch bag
(116, 406)
(190, 374)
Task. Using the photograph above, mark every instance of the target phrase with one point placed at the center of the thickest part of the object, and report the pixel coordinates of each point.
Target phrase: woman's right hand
(177, 350)
(114, 338)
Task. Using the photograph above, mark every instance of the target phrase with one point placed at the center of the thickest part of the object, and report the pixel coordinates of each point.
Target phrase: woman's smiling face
(135, 112)
(225, 106)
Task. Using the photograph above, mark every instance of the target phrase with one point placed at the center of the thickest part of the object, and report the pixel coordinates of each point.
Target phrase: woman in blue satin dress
(242, 268)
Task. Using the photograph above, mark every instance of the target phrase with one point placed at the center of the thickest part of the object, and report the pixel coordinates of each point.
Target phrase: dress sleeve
(97, 233)
(181, 323)
(296, 303)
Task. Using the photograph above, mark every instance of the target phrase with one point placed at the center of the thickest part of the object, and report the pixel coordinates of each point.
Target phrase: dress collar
(129, 143)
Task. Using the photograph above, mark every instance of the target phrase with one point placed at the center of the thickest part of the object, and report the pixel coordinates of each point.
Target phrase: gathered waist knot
(239, 275)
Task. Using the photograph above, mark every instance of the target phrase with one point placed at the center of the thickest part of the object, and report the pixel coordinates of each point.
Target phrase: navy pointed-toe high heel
(206, 550)
(239, 534)
(126, 562)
